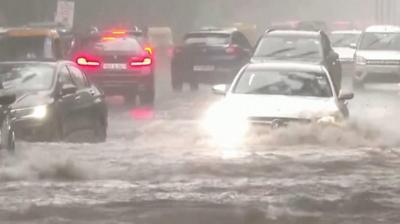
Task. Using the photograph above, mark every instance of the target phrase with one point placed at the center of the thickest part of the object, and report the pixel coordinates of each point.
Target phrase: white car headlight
(226, 127)
(39, 112)
(327, 120)
(361, 60)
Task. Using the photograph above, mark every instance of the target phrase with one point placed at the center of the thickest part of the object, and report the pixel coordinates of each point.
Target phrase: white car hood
(345, 52)
(274, 106)
(379, 55)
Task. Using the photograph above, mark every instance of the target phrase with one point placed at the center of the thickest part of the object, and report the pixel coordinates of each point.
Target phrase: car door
(66, 104)
(85, 99)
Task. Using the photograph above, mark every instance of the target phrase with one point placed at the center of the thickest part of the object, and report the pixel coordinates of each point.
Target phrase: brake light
(83, 61)
(119, 32)
(140, 61)
(108, 38)
(231, 50)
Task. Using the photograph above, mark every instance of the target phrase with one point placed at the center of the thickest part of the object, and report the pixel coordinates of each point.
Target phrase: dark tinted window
(26, 76)
(208, 39)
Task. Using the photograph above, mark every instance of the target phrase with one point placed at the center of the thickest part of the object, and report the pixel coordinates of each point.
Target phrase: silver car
(377, 58)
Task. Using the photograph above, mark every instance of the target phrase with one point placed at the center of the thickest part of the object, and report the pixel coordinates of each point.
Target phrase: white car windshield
(278, 82)
(380, 41)
(26, 77)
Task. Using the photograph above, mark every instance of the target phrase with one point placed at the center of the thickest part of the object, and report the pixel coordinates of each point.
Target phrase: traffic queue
(54, 82)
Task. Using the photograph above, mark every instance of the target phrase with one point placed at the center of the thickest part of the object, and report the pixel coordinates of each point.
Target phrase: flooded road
(159, 166)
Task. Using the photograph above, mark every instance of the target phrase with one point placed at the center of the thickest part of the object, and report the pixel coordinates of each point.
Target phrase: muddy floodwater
(160, 166)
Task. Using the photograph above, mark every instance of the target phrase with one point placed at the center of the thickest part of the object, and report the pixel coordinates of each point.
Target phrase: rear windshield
(344, 39)
(25, 48)
(126, 44)
(380, 41)
(287, 47)
(208, 39)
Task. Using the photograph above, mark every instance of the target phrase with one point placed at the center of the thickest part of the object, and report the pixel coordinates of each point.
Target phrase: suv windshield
(26, 77)
(290, 83)
(289, 47)
(25, 48)
(344, 39)
(380, 41)
(208, 39)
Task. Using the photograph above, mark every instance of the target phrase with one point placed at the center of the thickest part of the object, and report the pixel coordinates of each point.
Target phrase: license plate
(115, 66)
(203, 68)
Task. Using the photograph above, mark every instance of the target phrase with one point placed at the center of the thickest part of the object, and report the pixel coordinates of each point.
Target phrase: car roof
(293, 33)
(286, 66)
(346, 32)
(227, 31)
(383, 29)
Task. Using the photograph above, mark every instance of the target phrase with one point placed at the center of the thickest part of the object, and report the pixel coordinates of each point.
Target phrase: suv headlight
(361, 60)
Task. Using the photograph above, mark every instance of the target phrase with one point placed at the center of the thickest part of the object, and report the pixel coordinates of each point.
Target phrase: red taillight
(231, 50)
(140, 61)
(84, 61)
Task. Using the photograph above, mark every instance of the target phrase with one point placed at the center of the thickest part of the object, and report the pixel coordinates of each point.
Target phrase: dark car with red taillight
(209, 56)
(119, 64)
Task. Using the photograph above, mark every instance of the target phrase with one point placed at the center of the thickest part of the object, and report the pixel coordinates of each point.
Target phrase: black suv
(209, 56)
(313, 47)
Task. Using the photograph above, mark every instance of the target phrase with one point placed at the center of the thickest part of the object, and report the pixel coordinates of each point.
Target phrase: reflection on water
(142, 113)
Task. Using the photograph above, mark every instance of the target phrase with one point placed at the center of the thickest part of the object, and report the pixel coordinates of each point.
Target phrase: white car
(277, 94)
(378, 56)
(344, 42)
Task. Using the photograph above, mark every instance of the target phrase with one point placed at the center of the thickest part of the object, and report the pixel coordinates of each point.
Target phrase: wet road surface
(159, 166)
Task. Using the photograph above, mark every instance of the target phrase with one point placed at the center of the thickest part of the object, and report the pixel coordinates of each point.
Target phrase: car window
(208, 39)
(289, 47)
(344, 39)
(26, 76)
(25, 48)
(380, 41)
(113, 44)
(65, 76)
(78, 77)
(290, 83)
